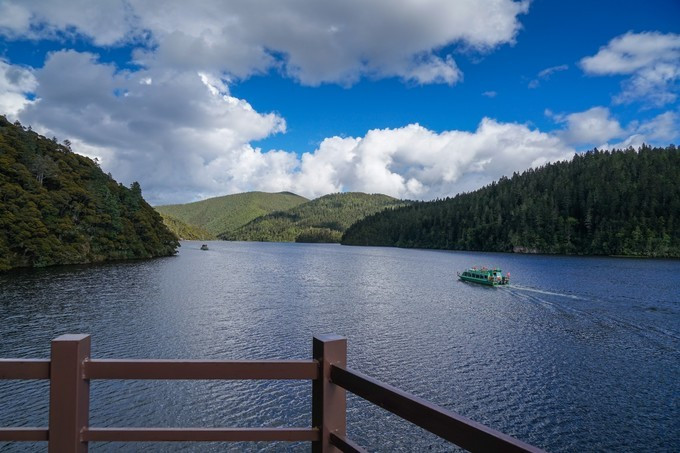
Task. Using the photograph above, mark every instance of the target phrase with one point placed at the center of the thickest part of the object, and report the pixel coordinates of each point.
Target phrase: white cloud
(655, 86)
(183, 130)
(596, 127)
(651, 60)
(313, 41)
(489, 94)
(106, 23)
(546, 73)
(551, 70)
(175, 127)
(661, 130)
(591, 127)
(431, 69)
(631, 52)
(634, 141)
(16, 82)
(184, 137)
(414, 162)
(664, 127)
(14, 18)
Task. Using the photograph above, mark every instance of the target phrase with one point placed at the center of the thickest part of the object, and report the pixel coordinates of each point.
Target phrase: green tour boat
(485, 276)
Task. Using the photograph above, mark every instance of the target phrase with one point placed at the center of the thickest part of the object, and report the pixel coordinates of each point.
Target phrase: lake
(577, 354)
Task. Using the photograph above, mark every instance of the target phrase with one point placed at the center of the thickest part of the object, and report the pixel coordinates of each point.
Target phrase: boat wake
(667, 339)
(541, 291)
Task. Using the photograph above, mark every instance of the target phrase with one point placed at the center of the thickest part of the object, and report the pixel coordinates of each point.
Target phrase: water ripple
(564, 366)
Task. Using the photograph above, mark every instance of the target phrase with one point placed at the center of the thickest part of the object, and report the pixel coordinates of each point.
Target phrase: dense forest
(227, 213)
(599, 203)
(57, 207)
(321, 220)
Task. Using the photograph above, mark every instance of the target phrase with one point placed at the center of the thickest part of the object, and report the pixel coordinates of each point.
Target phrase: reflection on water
(577, 354)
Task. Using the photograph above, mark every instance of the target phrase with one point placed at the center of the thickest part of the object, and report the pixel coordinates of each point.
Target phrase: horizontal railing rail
(70, 370)
(24, 368)
(23, 434)
(200, 434)
(201, 369)
(455, 428)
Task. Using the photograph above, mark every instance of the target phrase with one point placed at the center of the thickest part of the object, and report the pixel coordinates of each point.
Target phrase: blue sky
(420, 100)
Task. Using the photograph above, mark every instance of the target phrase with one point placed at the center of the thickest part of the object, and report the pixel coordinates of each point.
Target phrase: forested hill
(599, 203)
(227, 213)
(321, 220)
(57, 207)
(186, 231)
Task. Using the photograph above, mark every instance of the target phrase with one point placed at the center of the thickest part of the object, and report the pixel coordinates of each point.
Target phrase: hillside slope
(599, 203)
(227, 213)
(185, 231)
(321, 220)
(57, 207)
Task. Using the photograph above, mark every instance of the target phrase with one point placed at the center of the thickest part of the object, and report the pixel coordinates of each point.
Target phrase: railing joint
(345, 445)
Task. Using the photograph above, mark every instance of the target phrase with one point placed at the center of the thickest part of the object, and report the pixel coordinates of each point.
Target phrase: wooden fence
(70, 370)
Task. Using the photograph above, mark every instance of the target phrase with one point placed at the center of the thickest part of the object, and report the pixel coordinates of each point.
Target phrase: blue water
(578, 354)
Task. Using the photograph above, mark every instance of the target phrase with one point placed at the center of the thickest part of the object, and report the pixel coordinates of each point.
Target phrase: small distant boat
(204, 247)
(485, 276)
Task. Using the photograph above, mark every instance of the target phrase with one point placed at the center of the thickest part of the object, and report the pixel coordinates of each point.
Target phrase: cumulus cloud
(313, 41)
(662, 128)
(431, 69)
(651, 60)
(184, 137)
(15, 19)
(591, 127)
(174, 132)
(418, 163)
(16, 82)
(414, 162)
(105, 23)
(596, 127)
(172, 124)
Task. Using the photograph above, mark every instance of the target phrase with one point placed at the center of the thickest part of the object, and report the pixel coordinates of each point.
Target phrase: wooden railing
(70, 370)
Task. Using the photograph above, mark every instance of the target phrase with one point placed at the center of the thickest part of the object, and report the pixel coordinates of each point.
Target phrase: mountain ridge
(227, 212)
(323, 219)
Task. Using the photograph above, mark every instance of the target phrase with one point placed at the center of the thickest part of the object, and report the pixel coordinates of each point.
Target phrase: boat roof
(484, 269)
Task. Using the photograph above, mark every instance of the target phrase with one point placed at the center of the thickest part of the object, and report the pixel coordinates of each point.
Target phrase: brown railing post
(69, 394)
(328, 400)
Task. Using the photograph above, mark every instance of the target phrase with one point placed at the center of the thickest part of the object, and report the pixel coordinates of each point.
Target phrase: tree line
(621, 202)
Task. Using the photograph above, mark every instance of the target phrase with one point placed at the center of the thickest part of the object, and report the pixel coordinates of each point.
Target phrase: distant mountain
(185, 231)
(599, 203)
(321, 220)
(227, 213)
(57, 207)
